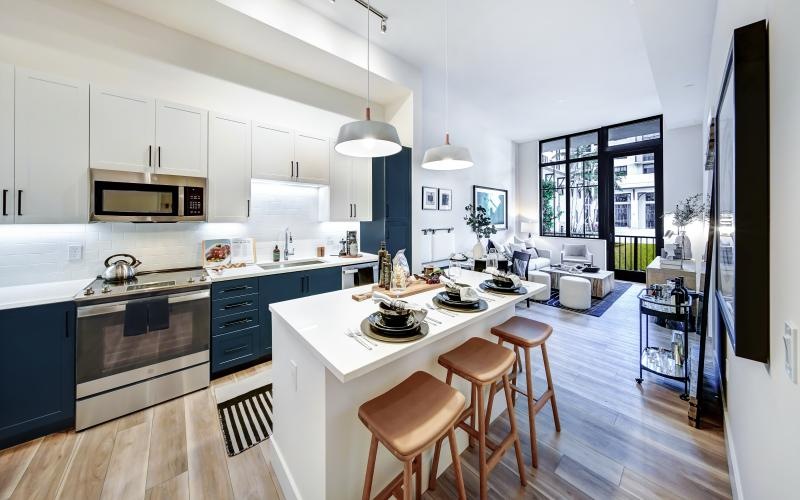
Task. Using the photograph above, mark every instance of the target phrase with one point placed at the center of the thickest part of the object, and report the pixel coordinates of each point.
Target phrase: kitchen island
(321, 377)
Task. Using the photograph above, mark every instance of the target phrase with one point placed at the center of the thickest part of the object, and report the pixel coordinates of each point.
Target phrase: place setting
(458, 297)
(503, 284)
(395, 321)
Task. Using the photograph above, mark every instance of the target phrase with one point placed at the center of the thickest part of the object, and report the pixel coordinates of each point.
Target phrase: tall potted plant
(691, 209)
(481, 225)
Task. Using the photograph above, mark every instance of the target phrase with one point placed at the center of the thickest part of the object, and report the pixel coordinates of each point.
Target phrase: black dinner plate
(479, 306)
(376, 323)
(417, 333)
(486, 285)
(490, 284)
(463, 304)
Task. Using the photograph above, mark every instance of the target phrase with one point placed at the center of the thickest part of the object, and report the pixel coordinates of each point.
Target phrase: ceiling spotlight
(383, 26)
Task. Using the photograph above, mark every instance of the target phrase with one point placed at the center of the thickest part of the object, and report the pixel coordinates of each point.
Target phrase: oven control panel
(192, 201)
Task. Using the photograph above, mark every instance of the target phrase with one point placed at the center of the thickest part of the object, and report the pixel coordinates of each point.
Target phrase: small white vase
(477, 250)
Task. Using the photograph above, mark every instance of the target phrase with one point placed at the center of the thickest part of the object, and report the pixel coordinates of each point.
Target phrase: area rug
(246, 420)
(598, 307)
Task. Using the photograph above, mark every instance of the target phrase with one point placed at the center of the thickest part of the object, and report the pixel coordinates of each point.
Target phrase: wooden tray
(412, 289)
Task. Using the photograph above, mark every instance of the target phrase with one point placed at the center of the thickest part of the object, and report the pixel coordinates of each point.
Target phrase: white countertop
(252, 270)
(41, 293)
(321, 321)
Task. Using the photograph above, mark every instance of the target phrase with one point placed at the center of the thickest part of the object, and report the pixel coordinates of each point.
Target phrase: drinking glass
(454, 270)
(492, 261)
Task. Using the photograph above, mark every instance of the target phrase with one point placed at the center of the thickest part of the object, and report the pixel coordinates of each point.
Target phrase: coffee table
(602, 281)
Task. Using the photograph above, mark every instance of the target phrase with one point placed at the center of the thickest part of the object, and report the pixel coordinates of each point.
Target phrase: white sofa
(539, 258)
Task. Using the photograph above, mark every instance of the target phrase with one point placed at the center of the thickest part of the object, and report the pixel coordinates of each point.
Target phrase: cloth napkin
(515, 280)
(467, 293)
(398, 304)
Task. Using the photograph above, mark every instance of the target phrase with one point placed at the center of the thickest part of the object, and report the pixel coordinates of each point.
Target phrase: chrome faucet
(287, 249)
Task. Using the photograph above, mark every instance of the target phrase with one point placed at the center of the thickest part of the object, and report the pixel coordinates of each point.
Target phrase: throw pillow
(527, 242)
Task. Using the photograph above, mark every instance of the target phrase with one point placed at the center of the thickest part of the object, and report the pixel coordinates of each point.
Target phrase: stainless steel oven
(140, 349)
(144, 197)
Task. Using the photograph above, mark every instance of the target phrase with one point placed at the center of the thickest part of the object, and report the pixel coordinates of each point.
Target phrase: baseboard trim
(285, 479)
(733, 465)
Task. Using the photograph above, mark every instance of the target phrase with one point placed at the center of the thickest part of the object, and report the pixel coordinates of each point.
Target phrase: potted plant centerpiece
(691, 209)
(481, 225)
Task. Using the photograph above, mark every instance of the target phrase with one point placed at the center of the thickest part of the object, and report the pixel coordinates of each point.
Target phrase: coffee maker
(352, 243)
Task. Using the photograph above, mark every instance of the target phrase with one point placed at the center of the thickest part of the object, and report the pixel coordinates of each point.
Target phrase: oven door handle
(100, 309)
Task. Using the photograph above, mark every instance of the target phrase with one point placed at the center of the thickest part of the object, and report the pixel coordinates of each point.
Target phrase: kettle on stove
(121, 269)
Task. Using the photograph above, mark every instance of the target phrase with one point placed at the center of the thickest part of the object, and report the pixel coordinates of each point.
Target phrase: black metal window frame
(605, 172)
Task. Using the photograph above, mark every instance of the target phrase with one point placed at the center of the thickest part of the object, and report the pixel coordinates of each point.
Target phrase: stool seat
(524, 332)
(412, 415)
(478, 360)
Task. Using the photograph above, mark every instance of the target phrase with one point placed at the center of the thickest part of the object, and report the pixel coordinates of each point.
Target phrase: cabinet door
(228, 169)
(397, 171)
(362, 188)
(276, 288)
(123, 131)
(341, 204)
(324, 280)
(51, 142)
(312, 158)
(181, 140)
(398, 236)
(273, 153)
(7, 193)
(38, 355)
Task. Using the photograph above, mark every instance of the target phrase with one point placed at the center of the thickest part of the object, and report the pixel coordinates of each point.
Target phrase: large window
(568, 188)
(592, 179)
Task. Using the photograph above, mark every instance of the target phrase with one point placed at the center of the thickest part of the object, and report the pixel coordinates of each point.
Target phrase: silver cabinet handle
(355, 210)
(298, 170)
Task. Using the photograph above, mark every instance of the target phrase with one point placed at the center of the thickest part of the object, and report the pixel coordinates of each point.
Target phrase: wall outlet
(74, 252)
(790, 350)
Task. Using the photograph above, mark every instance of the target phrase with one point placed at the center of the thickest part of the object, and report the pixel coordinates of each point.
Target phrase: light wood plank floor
(618, 439)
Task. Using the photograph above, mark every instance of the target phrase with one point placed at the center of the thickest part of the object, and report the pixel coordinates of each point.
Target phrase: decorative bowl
(394, 317)
(454, 290)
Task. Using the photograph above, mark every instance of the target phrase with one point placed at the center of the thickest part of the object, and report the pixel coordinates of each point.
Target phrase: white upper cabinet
(181, 140)
(51, 149)
(362, 188)
(123, 131)
(273, 153)
(7, 193)
(312, 158)
(350, 195)
(229, 163)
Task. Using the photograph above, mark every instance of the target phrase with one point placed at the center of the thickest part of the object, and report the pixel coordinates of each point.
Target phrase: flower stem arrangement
(481, 224)
(691, 209)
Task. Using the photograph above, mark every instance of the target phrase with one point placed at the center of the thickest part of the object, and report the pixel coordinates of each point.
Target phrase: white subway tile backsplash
(38, 253)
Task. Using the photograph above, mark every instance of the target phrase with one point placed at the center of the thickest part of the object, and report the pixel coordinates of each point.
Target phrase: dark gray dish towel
(158, 313)
(135, 318)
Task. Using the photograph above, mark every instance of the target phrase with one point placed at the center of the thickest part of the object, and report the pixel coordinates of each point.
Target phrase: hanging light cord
(368, 96)
(446, 79)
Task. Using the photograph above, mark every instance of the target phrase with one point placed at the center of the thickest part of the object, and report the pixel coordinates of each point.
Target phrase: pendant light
(447, 156)
(367, 138)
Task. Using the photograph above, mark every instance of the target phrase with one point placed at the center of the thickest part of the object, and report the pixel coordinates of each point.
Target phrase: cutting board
(414, 288)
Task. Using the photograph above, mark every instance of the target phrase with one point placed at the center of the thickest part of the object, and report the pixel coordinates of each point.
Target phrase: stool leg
(418, 473)
(550, 388)
(517, 371)
(512, 418)
(408, 471)
(483, 470)
(470, 439)
(373, 452)
(451, 436)
(492, 392)
(531, 410)
(438, 448)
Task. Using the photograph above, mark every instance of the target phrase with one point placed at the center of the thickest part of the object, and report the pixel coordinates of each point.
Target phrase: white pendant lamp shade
(447, 157)
(368, 139)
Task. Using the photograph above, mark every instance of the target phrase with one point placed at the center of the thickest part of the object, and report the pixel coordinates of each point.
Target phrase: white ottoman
(575, 293)
(543, 278)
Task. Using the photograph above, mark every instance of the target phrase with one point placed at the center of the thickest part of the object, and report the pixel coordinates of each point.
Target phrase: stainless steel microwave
(143, 197)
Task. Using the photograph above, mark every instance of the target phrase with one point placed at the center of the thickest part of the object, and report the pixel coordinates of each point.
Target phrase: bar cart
(658, 360)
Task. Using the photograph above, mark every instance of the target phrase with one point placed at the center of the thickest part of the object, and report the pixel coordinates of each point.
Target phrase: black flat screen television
(741, 183)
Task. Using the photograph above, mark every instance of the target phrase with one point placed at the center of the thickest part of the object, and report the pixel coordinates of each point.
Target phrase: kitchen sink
(285, 265)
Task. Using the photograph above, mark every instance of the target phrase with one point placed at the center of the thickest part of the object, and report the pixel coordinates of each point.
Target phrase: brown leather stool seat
(484, 364)
(523, 332)
(527, 334)
(478, 360)
(408, 418)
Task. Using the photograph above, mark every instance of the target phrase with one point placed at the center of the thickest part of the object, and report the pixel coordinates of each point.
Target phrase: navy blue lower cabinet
(37, 371)
(323, 280)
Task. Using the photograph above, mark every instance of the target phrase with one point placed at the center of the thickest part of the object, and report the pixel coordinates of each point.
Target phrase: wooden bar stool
(482, 363)
(407, 419)
(527, 334)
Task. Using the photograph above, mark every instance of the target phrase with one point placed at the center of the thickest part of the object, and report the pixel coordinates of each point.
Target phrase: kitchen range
(140, 340)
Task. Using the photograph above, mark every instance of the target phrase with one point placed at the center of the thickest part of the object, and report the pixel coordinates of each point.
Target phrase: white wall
(110, 48)
(762, 404)
(494, 167)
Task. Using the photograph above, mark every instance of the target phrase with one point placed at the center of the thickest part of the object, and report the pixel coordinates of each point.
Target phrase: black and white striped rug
(246, 420)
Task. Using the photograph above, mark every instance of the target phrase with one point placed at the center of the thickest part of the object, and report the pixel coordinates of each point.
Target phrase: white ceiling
(542, 67)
